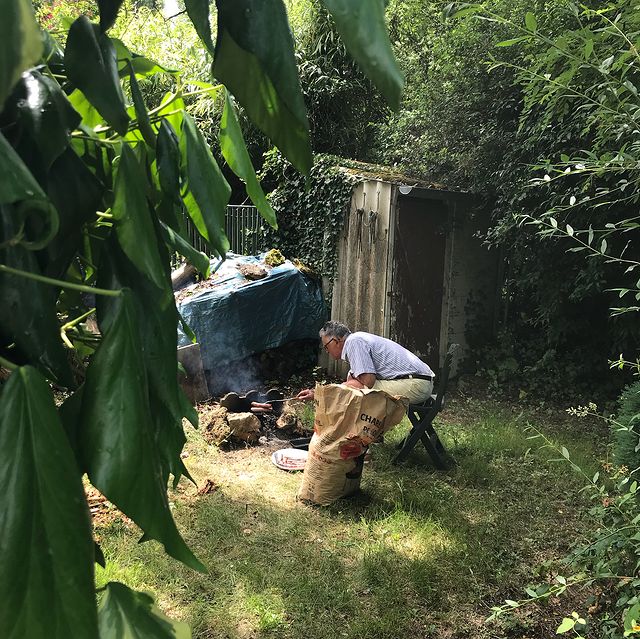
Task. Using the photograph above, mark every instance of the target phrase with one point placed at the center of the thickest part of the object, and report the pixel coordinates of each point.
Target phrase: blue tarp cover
(238, 317)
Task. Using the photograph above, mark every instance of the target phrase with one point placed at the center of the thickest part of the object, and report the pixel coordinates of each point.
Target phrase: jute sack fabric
(347, 420)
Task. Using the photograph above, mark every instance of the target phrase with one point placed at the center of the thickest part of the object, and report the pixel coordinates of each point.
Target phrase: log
(183, 275)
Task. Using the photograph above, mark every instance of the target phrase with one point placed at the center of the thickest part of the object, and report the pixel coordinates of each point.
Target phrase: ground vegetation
(394, 561)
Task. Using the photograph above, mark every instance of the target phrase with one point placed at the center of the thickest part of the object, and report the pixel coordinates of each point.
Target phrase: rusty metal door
(417, 285)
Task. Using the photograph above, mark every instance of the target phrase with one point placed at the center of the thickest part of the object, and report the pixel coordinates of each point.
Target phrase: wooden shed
(411, 267)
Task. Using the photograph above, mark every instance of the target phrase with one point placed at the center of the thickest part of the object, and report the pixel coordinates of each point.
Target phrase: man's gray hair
(334, 329)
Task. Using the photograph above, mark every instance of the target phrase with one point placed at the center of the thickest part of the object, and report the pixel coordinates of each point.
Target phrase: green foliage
(626, 428)
(251, 66)
(311, 211)
(96, 173)
(47, 511)
(361, 24)
(484, 131)
(582, 82)
(342, 102)
(457, 122)
(124, 612)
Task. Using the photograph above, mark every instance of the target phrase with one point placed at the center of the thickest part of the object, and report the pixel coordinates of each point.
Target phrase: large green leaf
(159, 355)
(143, 67)
(91, 64)
(254, 58)
(142, 115)
(235, 153)
(133, 218)
(168, 161)
(46, 114)
(117, 439)
(125, 613)
(47, 585)
(108, 12)
(363, 30)
(77, 195)
(89, 114)
(16, 181)
(208, 192)
(179, 245)
(20, 43)
(27, 314)
(198, 11)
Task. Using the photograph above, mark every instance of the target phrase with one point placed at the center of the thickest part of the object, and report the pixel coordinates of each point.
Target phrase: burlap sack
(347, 420)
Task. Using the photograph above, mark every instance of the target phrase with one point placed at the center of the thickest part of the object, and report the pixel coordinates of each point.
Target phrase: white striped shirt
(367, 353)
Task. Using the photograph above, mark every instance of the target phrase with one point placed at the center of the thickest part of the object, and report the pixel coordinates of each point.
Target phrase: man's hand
(306, 394)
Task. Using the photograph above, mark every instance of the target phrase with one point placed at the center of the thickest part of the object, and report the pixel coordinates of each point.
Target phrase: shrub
(626, 428)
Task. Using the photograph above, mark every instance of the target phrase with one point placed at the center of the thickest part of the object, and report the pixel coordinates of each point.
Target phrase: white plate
(290, 458)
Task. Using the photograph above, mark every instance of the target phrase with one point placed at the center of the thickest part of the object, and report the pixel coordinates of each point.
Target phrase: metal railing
(242, 226)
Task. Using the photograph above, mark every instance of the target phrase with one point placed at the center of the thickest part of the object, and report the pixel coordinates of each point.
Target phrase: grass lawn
(419, 553)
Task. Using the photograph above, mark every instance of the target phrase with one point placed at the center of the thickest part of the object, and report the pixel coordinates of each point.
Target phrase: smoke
(240, 376)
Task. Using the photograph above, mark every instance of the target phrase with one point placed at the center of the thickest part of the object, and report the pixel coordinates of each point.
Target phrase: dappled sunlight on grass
(408, 535)
(490, 437)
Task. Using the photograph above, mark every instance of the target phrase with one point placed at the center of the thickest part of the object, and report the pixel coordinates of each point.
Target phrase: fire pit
(235, 403)
(233, 420)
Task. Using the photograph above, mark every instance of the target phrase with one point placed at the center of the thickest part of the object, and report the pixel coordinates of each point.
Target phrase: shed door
(418, 276)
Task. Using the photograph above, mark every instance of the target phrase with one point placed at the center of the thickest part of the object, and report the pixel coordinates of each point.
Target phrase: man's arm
(365, 380)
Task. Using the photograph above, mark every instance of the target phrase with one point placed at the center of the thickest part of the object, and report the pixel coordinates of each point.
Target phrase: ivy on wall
(310, 212)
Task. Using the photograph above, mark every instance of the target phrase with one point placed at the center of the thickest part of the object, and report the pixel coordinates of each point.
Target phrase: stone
(244, 426)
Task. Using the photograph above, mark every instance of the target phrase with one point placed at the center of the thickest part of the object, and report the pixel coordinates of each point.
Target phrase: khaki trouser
(415, 390)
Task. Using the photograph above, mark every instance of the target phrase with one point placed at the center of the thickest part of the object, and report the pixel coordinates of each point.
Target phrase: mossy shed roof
(383, 173)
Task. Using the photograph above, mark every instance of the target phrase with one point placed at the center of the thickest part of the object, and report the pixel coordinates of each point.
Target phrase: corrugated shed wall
(359, 293)
(365, 271)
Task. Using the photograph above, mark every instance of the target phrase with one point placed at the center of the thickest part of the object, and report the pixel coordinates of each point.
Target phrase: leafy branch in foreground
(590, 71)
(94, 187)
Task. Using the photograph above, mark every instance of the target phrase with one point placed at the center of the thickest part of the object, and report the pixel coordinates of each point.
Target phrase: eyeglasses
(326, 346)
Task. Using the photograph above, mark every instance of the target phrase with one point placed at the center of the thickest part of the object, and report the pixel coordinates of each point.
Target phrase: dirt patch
(103, 512)
(213, 422)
